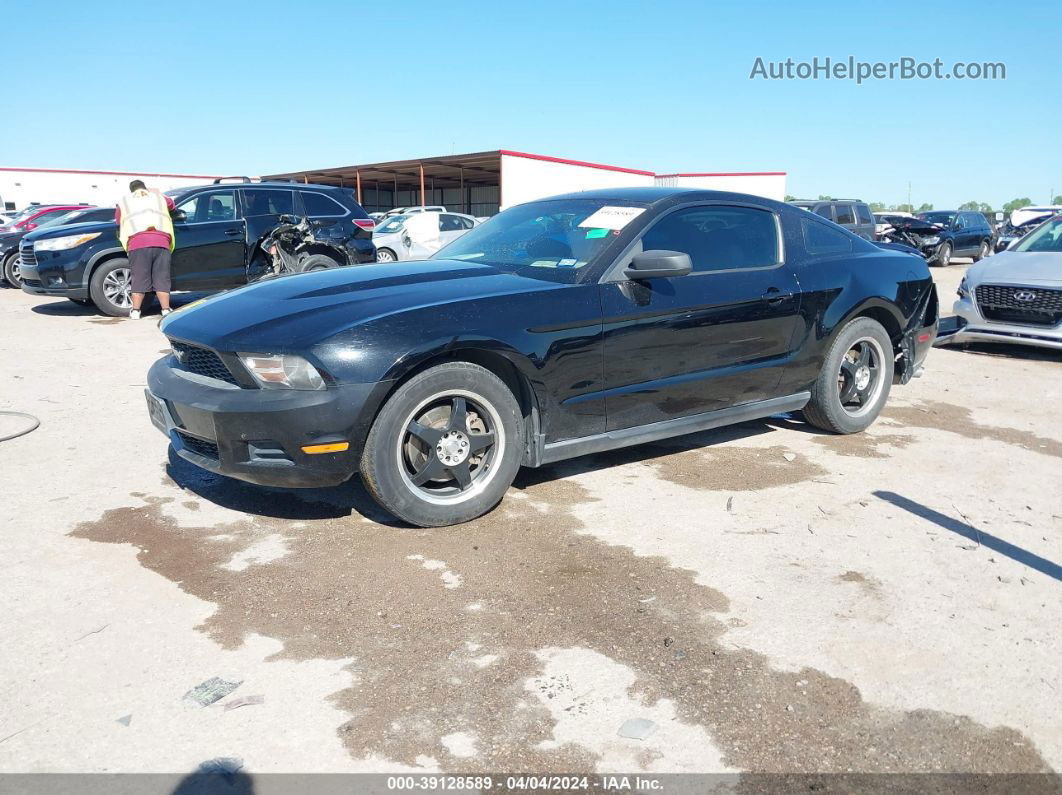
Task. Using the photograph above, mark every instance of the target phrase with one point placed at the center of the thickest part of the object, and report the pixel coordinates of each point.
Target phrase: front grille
(1036, 306)
(202, 361)
(25, 253)
(199, 446)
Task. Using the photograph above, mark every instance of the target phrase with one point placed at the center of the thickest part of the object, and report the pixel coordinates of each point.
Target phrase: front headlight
(964, 288)
(282, 371)
(64, 243)
(931, 241)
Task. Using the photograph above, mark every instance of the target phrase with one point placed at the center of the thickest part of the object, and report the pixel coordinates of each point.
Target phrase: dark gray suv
(853, 214)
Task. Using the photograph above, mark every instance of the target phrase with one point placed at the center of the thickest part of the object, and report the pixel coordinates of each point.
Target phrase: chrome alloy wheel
(117, 287)
(449, 445)
(859, 380)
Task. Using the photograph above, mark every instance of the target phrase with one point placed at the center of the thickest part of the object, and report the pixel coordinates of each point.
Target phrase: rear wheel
(111, 287)
(445, 447)
(385, 255)
(984, 251)
(317, 262)
(12, 272)
(855, 379)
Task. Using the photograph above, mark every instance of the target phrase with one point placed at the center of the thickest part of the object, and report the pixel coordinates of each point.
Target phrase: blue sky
(248, 88)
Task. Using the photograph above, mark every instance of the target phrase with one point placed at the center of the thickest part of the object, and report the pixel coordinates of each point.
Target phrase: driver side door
(717, 337)
(210, 243)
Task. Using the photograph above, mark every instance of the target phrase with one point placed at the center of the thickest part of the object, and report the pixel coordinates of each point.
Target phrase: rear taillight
(365, 223)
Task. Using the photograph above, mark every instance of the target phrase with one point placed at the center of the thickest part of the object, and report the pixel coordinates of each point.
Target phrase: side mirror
(30, 227)
(658, 264)
(180, 216)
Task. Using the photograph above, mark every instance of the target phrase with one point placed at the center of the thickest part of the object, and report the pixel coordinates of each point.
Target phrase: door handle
(232, 232)
(775, 296)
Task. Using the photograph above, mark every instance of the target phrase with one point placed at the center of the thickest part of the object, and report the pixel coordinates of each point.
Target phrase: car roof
(281, 185)
(663, 195)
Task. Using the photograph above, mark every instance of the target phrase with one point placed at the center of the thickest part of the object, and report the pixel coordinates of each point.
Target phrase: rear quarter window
(821, 239)
(320, 206)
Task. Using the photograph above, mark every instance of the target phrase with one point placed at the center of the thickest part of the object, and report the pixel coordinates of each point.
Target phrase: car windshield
(1047, 238)
(550, 239)
(942, 218)
(66, 218)
(392, 224)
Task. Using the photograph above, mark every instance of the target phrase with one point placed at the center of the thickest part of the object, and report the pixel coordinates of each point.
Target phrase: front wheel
(944, 255)
(445, 447)
(111, 287)
(12, 273)
(855, 379)
(385, 255)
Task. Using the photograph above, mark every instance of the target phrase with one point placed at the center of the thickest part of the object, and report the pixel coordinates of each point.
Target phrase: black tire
(389, 256)
(944, 254)
(11, 272)
(418, 430)
(984, 251)
(317, 262)
(828, 409)
(103, 281)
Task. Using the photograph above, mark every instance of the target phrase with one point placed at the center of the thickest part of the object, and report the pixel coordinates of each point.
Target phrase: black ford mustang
(559, 328)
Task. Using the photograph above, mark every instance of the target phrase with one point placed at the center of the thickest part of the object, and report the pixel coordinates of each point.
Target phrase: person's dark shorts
(151, 270)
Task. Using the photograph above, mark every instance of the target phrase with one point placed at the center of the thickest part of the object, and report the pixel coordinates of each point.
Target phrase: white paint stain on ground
(449, 578)
(460, 744)
(272, 547)
(588, 696)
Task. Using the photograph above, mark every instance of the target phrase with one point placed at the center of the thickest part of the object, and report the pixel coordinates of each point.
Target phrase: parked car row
(938, 236)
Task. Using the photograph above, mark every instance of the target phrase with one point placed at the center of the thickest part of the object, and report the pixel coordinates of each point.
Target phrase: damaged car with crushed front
(559, 328)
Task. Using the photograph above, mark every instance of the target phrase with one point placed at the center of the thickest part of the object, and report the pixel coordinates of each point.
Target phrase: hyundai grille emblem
(1025, 295)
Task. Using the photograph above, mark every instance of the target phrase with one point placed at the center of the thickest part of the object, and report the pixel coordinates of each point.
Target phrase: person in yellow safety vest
(146, 232)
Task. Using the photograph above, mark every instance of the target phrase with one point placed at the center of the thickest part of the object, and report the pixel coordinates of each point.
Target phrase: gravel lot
(772, 598)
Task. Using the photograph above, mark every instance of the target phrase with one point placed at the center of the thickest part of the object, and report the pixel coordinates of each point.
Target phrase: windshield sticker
(612, 217)
(591, 234)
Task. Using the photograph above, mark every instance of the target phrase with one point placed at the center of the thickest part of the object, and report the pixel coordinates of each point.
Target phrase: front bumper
(974, 328)
(257, 435)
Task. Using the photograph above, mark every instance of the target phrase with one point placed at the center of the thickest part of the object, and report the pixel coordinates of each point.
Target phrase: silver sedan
(1016, 296)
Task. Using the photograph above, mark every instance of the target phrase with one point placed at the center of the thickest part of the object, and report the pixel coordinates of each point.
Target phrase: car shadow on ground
(65, 308)
(351, 497)
(1006, 350)
(971, 533)
(295, 504)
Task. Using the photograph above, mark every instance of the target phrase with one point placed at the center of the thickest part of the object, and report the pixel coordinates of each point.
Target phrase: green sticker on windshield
(593, 233)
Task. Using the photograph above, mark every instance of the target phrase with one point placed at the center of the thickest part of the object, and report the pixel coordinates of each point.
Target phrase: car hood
(1041, 267)
(72, 229)
(291, 314)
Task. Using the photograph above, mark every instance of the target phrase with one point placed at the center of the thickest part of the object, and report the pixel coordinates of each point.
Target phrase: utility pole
(911, 206)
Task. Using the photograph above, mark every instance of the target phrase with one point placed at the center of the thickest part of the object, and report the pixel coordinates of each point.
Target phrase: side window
(467, 223)
(450, 223)
(863, 212)
(825, 210)
(821, 239)
(718, 238)
(267, 201)
(320, 206)
(960, 221)
(215, 206)
(844, 214)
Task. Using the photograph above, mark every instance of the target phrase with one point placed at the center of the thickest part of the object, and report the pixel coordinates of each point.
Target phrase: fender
(98, 257)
